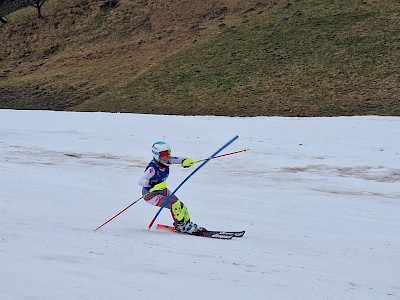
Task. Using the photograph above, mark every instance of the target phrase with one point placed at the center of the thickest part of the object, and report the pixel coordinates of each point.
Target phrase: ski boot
(187, 227)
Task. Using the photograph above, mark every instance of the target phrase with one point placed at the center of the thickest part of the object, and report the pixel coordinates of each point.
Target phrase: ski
(216, 234)
(213, 234)
(237, 234)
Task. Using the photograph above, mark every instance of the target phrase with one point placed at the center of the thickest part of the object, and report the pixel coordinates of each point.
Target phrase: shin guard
(179, 212)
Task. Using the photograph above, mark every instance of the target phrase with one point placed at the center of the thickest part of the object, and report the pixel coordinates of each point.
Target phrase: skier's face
(164, 156)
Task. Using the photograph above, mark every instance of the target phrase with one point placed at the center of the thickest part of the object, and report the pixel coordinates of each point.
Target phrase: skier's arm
(144, 180)
(184, 161)
(147, 181)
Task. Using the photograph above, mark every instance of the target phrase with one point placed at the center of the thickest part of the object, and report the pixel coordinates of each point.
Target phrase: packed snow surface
(319, 199)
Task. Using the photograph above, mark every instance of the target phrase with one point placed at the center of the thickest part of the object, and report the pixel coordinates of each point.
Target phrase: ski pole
(222, 155)
(187, 178)
(121, 212)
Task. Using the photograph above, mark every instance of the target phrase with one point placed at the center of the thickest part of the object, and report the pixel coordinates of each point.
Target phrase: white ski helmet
(161, 152)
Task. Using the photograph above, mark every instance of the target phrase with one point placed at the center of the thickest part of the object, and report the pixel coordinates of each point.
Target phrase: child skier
(154, 181)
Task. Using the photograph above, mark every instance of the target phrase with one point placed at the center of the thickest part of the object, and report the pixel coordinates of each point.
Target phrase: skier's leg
(154, 199)
(180, 212)
(182, 221)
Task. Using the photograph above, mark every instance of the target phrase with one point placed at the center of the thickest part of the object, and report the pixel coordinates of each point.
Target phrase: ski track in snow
(318, 198)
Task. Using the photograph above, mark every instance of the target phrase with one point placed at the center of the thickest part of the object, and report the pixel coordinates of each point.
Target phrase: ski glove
(188, 162)
(159, 187)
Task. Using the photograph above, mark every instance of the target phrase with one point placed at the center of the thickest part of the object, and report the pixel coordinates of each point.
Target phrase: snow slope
(318, 198)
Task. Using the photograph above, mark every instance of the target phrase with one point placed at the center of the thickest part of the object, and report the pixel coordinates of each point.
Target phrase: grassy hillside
(291, 58)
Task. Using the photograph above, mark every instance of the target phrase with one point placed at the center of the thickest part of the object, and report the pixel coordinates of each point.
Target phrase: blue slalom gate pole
(187, 178)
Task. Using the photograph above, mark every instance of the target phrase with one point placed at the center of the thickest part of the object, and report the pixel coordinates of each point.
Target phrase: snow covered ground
(319, 199)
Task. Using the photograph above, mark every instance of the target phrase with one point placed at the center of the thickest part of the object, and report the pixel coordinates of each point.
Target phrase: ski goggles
(165, 154)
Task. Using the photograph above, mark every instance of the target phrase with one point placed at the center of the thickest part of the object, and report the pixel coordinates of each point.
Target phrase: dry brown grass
(292, 58)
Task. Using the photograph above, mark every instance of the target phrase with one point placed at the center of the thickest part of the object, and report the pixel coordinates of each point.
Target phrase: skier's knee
(180, 212)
